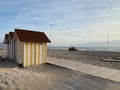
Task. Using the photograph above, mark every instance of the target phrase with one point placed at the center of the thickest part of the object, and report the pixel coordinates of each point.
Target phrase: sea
(117, 49)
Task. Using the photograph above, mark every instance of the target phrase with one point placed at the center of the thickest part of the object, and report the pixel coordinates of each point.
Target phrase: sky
(66, 22)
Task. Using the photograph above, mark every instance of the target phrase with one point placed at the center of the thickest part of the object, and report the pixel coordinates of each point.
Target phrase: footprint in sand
(17, 89)
(3, 85)
(0, 88)
(6, 83)
(13, 82)
(6, 73)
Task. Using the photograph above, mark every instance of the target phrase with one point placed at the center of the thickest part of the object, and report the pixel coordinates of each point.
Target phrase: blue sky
(75, 22)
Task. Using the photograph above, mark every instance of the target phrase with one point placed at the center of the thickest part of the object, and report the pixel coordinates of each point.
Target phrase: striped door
(33, 53)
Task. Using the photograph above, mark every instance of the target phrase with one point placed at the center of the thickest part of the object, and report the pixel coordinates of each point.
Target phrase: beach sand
(49, 77)
(40, 77)
(87, 57)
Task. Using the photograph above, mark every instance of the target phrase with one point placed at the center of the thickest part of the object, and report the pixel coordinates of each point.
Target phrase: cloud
(75, 21)
(115, 43)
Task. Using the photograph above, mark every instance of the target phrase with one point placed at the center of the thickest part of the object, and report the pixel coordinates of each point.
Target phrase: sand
(87, 57)
(107, 73)
(41, 77)
(51, 77)
(48, 77)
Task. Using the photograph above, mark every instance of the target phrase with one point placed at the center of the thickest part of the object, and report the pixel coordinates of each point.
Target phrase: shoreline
(88, 48)
(83, 50)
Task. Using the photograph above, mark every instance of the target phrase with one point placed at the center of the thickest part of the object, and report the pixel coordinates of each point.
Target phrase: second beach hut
(11, 46)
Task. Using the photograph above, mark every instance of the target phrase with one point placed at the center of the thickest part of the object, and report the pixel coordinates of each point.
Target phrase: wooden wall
(34, 53)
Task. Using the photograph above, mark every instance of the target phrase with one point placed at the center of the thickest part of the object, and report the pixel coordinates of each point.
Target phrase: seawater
(89, 48)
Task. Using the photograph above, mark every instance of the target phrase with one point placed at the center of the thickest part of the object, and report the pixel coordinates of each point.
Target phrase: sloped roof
(31, 36)
(6, 38)
(11, 34)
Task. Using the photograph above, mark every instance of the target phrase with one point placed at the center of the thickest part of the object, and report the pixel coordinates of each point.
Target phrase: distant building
(27, 47)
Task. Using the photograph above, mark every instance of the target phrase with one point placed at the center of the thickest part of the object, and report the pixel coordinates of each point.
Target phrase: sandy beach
(40, 77)
(51, 77)
(87, 57)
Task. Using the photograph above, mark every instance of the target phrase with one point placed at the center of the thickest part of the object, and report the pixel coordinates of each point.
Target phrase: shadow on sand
(5, 63)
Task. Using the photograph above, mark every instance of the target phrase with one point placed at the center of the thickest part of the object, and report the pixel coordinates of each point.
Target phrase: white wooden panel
(24, 54)
(36, 53)
(33, 53)
(13, 50)
(40, 54)
(28, 53)
(45, 52)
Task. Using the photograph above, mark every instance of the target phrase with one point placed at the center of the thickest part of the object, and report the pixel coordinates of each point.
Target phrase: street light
(50, 36)
(108, 41)
(50, 28)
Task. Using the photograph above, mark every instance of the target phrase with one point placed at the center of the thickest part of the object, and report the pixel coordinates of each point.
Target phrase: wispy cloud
(75, 21)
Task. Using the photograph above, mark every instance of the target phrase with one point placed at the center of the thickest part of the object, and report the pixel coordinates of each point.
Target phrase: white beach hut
(28, 47)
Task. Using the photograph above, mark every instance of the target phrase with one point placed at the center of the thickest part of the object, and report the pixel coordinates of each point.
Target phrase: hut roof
(31, 36)
(11, 34)
(6, 38)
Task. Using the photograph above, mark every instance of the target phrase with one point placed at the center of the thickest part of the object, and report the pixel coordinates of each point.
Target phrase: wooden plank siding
(34, 53)
(24, 50)
(11, 50)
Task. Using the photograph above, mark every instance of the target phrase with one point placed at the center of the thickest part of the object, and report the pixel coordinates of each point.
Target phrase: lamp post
(108, 41)
(50, 28)
(50, 36)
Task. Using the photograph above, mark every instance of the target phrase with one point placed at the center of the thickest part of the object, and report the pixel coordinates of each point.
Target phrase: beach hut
(29, 47)
(7, 44)
(8, 40)
(10, 46)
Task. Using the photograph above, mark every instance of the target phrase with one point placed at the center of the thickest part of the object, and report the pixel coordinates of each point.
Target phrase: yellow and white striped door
(34, 53)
